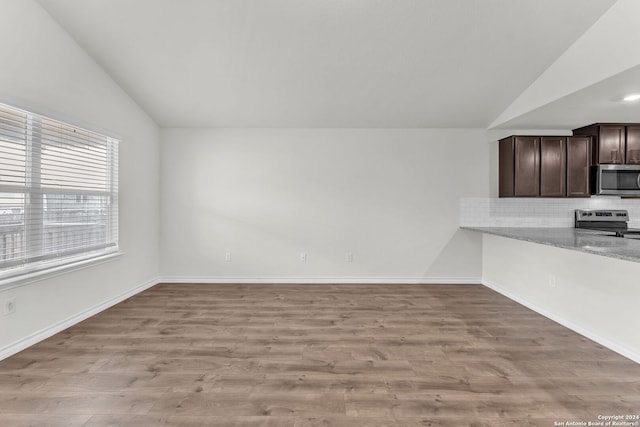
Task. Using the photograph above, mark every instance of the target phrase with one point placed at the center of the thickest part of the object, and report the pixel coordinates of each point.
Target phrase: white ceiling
(601, 102)
(325, 63)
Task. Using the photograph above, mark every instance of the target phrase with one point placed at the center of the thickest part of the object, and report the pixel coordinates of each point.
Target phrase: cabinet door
(578, 161)
(553, 166)
(527, 166)
(505, 167)
(633, 145)
(611, 144)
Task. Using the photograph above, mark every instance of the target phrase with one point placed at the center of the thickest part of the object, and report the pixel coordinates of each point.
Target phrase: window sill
(36, 276)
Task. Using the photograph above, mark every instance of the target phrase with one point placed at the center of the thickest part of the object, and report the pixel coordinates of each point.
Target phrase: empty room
(297, 213)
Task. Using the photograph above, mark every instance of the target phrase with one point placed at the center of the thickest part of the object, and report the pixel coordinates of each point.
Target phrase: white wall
(391, 197)
(45, 71)
(596, 296)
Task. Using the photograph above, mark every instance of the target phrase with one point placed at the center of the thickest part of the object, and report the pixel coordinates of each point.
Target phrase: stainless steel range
(607, 221)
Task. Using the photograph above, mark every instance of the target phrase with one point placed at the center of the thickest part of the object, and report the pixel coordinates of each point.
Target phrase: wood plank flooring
(316, 355)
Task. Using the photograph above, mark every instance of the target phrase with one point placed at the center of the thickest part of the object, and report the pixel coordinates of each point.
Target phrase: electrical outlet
(349, 257)
(227, 256)
(9, 306)
(303, 257)
(552, 281)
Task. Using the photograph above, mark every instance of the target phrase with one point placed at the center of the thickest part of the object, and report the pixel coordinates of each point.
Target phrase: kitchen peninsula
(587, 282)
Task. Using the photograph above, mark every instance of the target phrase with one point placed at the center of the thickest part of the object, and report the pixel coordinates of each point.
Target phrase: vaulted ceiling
(327, 63)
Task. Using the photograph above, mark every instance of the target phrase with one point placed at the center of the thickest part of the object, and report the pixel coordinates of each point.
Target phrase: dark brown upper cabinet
(519, 166)
(544, 166)
(553, 166)
(506, 167)
(633, 144)
(578, 162)
(613, 143)
(527, 166)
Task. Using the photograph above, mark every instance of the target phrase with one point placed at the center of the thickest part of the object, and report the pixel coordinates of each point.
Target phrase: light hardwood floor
(316, 355)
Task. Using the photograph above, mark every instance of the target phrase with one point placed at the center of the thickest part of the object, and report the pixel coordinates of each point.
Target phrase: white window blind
(58, 193)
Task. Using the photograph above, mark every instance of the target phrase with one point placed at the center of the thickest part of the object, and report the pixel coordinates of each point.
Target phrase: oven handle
(638, 180)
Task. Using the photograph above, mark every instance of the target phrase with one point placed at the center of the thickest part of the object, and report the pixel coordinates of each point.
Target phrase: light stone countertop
(593, 242)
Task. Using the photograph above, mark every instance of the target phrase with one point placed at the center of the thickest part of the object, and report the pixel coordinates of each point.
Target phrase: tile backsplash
(537, 212)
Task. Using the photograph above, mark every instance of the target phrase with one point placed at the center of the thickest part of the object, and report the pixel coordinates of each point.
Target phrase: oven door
(619, 180)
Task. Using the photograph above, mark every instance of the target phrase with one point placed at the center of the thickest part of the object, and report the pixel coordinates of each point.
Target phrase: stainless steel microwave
(617, 180)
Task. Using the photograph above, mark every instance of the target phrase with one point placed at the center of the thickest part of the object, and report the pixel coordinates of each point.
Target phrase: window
(58, 193)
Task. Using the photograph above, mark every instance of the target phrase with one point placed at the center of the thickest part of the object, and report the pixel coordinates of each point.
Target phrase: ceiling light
(633, 97)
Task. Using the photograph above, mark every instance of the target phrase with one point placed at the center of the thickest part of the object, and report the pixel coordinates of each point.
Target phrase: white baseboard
(629, 354)
(324, 280)
(49, 331)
